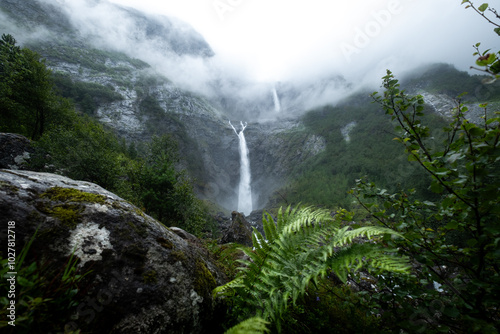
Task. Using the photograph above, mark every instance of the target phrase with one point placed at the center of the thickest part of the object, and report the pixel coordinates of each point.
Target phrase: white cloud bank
(286, 39)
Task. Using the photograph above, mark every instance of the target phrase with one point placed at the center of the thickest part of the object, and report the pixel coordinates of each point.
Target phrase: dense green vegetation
(28, 103)
(86, 95)
(47, 296)
(371, 152)
(76, 145)
(325, 179)
(453, 240)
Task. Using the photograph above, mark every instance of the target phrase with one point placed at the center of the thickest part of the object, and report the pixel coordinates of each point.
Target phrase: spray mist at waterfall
(245, 190)
(277, 104)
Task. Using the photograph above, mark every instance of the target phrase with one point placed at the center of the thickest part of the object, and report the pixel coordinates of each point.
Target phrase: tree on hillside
(166, 192)
(27, 101)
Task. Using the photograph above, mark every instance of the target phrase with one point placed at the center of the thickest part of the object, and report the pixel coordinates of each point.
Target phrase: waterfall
(277, 104)
(245, 190)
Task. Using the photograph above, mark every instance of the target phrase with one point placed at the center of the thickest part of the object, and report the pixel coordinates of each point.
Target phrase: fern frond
(346, 236)
(255, 325)
(269, 227)
(228, 289)
(302, 246)
(353, 257)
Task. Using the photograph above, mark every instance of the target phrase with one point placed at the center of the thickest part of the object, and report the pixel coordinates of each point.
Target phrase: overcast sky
(279, 39)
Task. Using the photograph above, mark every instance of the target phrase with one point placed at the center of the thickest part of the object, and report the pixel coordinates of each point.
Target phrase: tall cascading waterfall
(277, 104)
(245, 189)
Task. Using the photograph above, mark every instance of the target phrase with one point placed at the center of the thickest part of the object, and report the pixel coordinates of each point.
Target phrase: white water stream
(245, 190)
(277, 104)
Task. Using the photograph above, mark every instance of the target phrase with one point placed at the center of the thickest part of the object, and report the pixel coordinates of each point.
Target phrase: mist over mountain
(143, 75)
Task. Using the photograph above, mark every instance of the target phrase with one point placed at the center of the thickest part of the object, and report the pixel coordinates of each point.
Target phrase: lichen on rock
(88, 241)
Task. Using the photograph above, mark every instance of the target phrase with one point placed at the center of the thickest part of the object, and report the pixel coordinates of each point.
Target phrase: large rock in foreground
(144, 278)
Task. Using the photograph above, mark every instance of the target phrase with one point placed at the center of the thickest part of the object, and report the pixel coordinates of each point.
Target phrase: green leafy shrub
(453, 241)
(82, 149)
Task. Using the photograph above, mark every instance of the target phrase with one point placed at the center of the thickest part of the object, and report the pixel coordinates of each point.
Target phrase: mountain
(96, 22)
(137, 100)
(144, 75)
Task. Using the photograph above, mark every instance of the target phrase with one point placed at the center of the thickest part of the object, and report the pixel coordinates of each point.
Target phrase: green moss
(7, 185)
(140, 212)
(178, 256)
(226, 256)
(165, 243)
(204, 281)
(72, 195)
(150, 277)
(140, 229)
(68, 214)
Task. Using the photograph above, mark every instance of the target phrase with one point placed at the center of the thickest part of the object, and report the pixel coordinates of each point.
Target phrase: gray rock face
(239, 231)
(15, 151)
(144, 278)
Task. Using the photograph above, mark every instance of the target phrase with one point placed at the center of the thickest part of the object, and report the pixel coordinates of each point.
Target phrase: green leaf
(486, 60)
(483, 7)
(436, 187)
(454, 157)
(497, 30)
(453, 225)
(495, 68)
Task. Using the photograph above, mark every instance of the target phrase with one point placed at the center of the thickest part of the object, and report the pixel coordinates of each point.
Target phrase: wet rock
(15, 151)
(183, 234)
(239, 231)
(144, 278)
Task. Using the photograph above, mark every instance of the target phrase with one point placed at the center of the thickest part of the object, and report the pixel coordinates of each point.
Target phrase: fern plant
(301, 247)
(254, 325)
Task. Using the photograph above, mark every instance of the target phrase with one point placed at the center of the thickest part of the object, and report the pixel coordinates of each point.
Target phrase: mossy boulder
(143, 277)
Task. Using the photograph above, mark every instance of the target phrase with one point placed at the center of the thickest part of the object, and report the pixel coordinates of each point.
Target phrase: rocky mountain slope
(145, 102)
(141, 78)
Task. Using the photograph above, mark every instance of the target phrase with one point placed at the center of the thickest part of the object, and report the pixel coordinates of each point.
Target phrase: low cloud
(307, 46)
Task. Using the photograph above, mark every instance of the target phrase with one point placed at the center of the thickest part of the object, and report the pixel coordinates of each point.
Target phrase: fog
(285, 40)
(300, 44)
